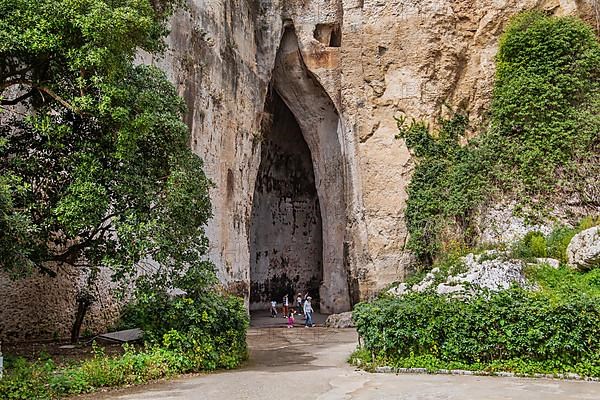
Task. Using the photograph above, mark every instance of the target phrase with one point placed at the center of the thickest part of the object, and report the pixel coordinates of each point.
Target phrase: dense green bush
(210, 326)
(200, 321)
(512, 327)
(544, 121)
(42, 379)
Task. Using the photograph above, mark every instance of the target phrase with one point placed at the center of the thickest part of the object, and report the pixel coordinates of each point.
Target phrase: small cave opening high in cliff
(286, 245)
(297, 229)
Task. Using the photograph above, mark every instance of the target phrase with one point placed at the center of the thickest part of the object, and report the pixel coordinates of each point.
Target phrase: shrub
(532, 245)
(43, 380)
(497, 329)
(24, 380)
(207, 326)
(535, 244)
(558, 241)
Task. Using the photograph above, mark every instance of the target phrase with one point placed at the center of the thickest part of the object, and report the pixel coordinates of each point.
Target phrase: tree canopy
(95, 165)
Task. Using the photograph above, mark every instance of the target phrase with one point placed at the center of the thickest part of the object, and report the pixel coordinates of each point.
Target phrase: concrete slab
(128, 335)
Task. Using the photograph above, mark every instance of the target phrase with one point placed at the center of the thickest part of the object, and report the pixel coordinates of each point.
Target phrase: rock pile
(342, 320)
(491, 270)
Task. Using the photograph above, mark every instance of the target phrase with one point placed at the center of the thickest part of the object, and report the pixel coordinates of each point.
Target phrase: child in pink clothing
(291, 320)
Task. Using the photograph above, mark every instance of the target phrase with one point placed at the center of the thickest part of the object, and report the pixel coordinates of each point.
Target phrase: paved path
(311, 364)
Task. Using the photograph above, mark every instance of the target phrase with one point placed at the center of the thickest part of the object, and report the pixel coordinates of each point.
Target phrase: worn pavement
(303, 363)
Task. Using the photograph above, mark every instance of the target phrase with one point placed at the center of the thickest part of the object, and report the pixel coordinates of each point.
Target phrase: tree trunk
(83, 304)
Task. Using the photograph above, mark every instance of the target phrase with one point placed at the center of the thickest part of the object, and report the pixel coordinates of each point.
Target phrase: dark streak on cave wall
(286, 245)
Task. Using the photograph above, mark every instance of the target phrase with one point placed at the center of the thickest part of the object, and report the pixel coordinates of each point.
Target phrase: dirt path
(311, 364)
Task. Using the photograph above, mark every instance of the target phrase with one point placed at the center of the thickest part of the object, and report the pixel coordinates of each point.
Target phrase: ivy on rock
(544, 125)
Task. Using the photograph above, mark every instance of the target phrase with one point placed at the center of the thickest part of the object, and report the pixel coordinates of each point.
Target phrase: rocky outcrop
(500, 224)
(340, 321)
(491, 270)
(372, 60)
(583, 251)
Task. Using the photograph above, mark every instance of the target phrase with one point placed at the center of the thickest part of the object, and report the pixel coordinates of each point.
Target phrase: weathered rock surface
(40, 306)
(499, 224)
(491, 270)
(583, 251)
(342, 320)
(399, 290)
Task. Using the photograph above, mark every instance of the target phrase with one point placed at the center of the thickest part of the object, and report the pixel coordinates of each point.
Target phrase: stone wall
(363, 62)
(43, 307)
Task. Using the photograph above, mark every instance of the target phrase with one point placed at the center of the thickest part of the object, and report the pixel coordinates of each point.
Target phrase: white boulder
(342, 320)
(399, 290)
(583, 251)
(444, 288)
(425, 284)
(490, 270)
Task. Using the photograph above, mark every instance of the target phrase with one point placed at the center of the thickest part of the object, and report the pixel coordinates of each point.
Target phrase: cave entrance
(286, 247)
(298, 224)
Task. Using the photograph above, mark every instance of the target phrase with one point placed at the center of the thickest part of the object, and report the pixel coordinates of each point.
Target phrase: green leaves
(547, 82)
(445, 185)
(544, 124)
(488, 332)
(100, 172)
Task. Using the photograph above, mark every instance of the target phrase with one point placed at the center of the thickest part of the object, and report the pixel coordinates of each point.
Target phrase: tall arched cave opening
(286, 232)
(298, 223)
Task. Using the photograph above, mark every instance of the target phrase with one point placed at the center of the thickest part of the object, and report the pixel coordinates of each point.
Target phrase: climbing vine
(543, 117)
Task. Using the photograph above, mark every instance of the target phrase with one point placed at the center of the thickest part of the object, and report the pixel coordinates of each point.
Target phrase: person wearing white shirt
(308, 310)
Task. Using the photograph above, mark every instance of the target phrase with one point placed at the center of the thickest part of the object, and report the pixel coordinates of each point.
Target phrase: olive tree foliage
(95, 167)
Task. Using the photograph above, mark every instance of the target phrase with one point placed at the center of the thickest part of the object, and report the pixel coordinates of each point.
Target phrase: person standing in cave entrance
(273, 309)
(308, 310)
(299, 304)
(286, 306)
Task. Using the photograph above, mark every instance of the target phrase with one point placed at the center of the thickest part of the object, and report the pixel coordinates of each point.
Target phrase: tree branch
(78, 247)
(42, 89)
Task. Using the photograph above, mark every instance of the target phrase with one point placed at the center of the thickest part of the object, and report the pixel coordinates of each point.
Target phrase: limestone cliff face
(344, 68)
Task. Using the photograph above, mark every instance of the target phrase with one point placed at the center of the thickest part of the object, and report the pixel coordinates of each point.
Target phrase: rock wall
(345, 68)
(373, 60)
(43, 307)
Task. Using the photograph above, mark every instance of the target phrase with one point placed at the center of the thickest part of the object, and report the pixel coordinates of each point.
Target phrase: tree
(95, 164)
